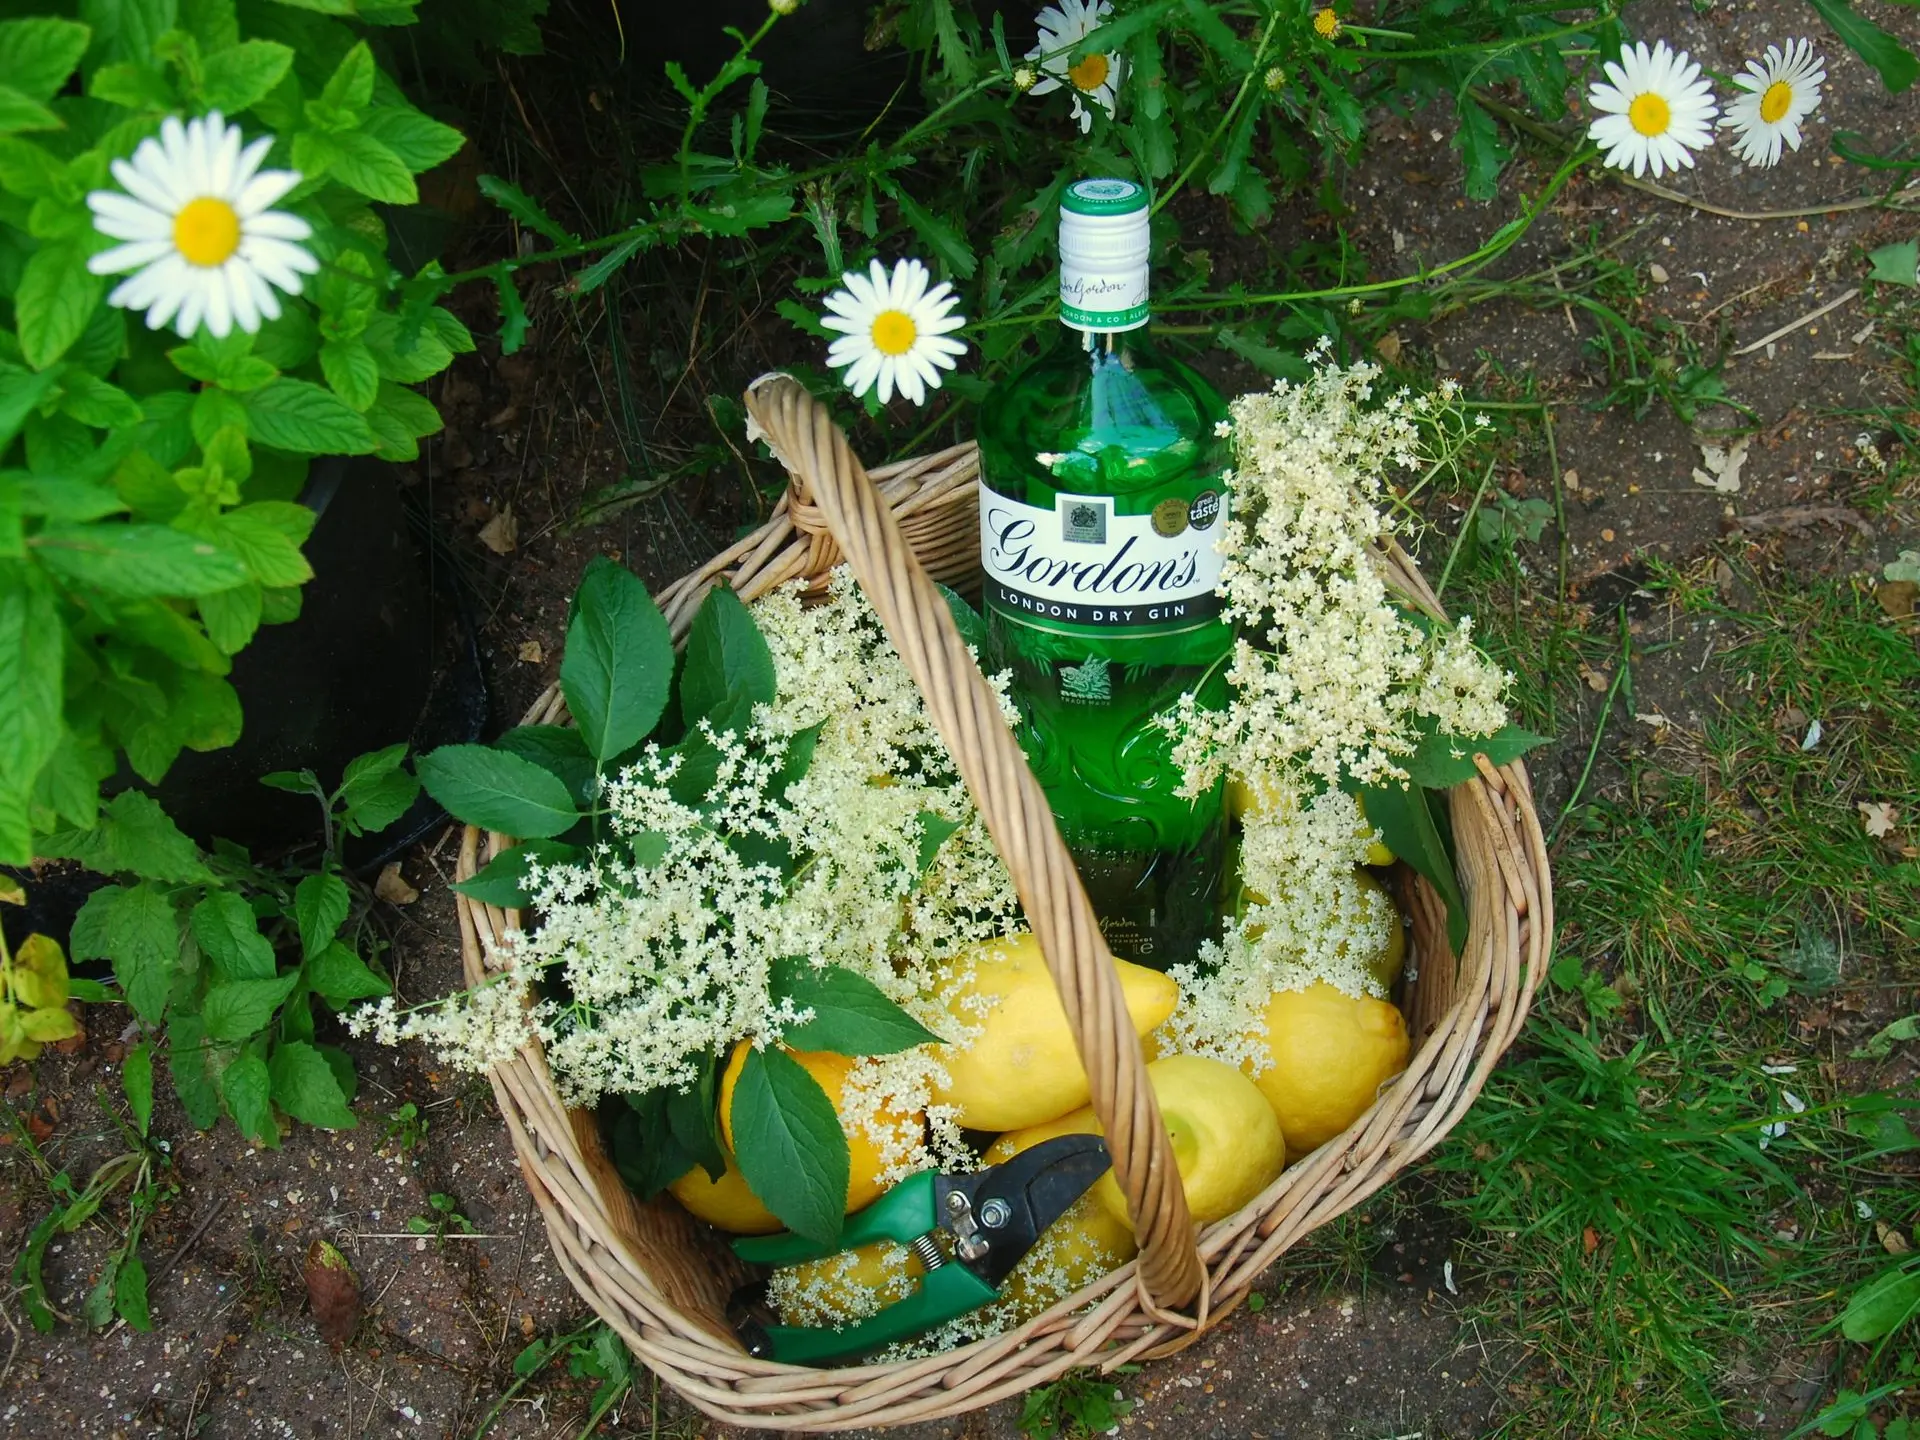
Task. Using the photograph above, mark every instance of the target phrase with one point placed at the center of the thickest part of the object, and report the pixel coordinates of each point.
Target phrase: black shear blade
(1024, 1195)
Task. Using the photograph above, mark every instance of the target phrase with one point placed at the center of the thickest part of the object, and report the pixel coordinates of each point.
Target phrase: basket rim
(1495, 981)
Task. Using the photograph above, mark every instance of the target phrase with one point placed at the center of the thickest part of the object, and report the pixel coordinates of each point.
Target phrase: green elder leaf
(694, 1120)
(1895, 63)
(497, 791)
(524, 208)
(320, 906)
(1405, 821)
(247, 1088)
(1882, 1305)
(303, 1085)
(1898, 263)
(228, 935)
(339, 976)
(37, 55)
(53, 302)
(419, 141)
(557, 748)
(851, 1015)
(193, 1080)
(240, 76)
(618, 663)
(137, 560)
(502, 880)
(727, 657)
(305, 418)
(239, 1008)
(789, 1146)
(1442, 761)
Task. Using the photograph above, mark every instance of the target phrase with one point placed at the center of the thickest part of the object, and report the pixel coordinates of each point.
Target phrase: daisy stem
(1382, 34)
(1239, 99)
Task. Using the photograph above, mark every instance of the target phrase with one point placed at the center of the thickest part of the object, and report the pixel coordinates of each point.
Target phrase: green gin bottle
(1102, 470)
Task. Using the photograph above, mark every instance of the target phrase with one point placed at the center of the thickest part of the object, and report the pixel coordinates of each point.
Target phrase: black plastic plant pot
(356, 671)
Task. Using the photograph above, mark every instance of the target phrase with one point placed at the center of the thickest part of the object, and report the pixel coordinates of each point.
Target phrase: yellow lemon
(1078, 1248)
(839, 1289)
(866, 1156)
(1022, 1068)
(726, 1204)
(1227, 1143)
(1244, 799)
(1331, 1054)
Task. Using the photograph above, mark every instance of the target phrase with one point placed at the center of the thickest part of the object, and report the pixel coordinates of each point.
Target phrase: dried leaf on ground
(1879, 817)
(392, 886)
(532, 652)
(333, 1292)
(1723, 466)
(1891, 1240)
(501, 534)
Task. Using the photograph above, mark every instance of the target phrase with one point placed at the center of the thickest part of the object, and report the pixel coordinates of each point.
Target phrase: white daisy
(1655, 114)
(894, 329)
(200, 239)
(1776, 97)
(1098, 77)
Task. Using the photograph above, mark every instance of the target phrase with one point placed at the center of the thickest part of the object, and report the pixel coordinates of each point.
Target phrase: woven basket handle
(967, 715)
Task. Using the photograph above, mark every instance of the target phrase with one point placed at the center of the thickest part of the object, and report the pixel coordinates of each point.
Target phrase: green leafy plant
(148, 523)
(445, 1218)
(406, 1127)
(232, 956)
(35, 989)
(121, 1287)
(1077, 1405)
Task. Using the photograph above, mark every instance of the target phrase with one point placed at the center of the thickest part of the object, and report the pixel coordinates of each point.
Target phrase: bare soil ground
(1383, 1351)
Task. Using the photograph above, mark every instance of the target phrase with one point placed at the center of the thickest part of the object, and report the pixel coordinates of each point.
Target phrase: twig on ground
(1799, 517)
(1806, 319)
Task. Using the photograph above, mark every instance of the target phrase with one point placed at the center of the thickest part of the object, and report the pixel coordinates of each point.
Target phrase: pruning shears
(969, 1231)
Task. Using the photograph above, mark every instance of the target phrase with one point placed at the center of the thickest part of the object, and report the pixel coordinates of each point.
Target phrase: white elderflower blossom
(663, 942)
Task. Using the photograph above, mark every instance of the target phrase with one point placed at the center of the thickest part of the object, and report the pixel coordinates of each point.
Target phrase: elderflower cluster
(1329, 674)
(663, 942)
(1331, 683)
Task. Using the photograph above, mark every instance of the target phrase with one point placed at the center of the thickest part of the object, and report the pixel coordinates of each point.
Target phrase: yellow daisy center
(1650, 114)
(206, 231)
(1090, 74)
(894, 332)
(1326, 24)
(1774, 103)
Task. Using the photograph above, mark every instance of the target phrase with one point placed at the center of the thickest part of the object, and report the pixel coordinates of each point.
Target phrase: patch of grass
(1677, 1180)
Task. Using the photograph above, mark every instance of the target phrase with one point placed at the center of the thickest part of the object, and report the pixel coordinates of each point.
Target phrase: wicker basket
(662, 1280)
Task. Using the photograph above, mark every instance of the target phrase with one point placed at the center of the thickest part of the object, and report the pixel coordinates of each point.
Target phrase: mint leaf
(37, 55)
(377, 790)
(320, 905)
(350, 87)
(497, 791)
(133, 834)
(299, 416)
(502, 880)
(339, 976)
(851, 1015)
(304, 1087)
(229, 936)
(137, 560)
(192, 1077)
(419, 141)
(54, 301)
(618, 663)
(246, 1086)
(351, 370)
(789, 1147)
(240, 1008)
(727, 658)
(360, 162)
(240, 76)
(1898, 263)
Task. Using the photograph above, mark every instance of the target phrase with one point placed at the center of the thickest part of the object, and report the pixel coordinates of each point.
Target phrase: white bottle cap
(1103, 255)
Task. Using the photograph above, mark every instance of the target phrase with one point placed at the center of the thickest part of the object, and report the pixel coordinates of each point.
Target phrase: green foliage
(230, 957)
(145, 533)
(445, 1218)
(1077, 1406)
